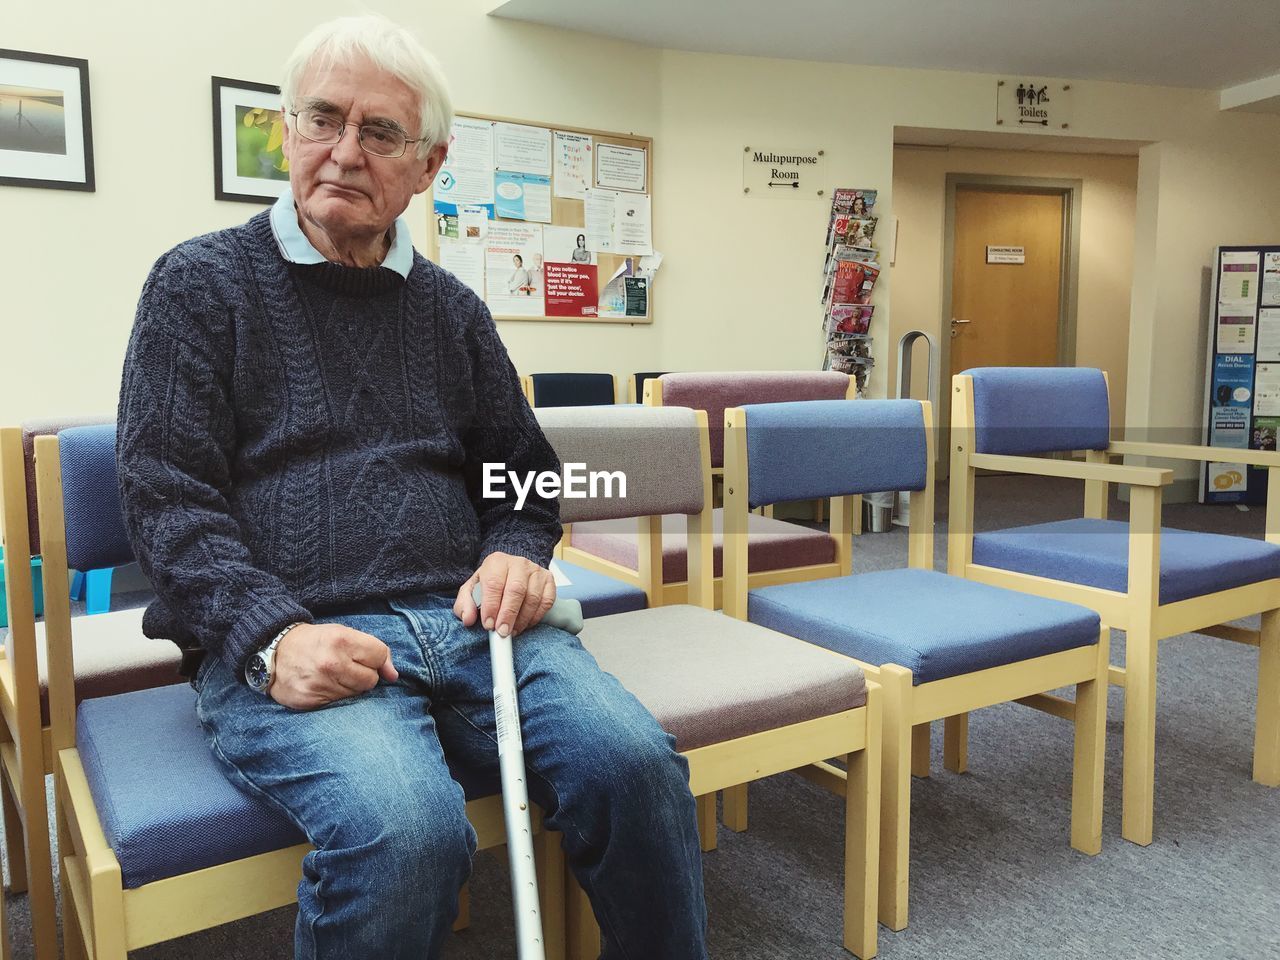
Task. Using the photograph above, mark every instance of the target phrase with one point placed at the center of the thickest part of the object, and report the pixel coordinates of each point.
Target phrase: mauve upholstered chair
(781, 552)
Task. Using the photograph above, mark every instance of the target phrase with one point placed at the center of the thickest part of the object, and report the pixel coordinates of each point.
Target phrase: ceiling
(1180, 43)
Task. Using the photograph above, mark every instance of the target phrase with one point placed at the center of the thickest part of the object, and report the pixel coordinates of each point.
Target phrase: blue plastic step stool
(95, 587)
(37, 590)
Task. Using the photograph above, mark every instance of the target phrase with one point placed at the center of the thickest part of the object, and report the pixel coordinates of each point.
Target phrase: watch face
(256, 672)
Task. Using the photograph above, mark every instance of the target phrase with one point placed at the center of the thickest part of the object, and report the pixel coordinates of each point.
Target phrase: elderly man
(306, 410)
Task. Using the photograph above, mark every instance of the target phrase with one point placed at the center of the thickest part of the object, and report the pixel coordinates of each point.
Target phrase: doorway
(1010, 266)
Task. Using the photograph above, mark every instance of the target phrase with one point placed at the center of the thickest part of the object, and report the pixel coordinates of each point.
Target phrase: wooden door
(1006, 314)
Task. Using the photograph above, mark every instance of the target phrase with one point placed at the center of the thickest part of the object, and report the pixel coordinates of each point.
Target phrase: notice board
(547, 221)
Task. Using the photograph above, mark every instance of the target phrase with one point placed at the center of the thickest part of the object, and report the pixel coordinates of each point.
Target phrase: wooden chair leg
(40, 899)
(735, 807)
(1266, 743)
(920, 746)
(106, 893)
(1138, 792)
(582, 934)
(862, 838)
(1090, 756)
(707, 821)
(72, 944)
(549, 855)
(13, 838)
(895, 801)
(463, 919)
(955, 743)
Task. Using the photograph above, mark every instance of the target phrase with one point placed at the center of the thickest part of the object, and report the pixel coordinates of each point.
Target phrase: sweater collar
(296, 248)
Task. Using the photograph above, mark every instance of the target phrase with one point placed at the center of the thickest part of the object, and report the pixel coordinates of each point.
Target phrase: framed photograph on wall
(46, 139)
(248, 130)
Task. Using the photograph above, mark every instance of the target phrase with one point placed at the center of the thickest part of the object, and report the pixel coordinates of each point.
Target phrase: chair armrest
(1074, 469)
(1186, 451)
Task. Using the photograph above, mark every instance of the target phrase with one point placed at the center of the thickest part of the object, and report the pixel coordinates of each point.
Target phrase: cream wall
(739, 286)
(77, 261)
(1106, 228)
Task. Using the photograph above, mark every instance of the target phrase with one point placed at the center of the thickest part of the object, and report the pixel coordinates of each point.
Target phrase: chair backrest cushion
(1023, 410)
(829, 448)
(657, 449)
(45, 427)
(572, 389)
(91, 499)
(716, 392)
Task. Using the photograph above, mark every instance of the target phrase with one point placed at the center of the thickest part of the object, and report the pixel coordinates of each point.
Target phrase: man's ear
(435, 160)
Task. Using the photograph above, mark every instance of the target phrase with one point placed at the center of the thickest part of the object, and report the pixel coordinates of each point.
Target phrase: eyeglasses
(375, 139)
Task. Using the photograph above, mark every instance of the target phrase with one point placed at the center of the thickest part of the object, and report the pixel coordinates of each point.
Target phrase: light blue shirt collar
(296, 248)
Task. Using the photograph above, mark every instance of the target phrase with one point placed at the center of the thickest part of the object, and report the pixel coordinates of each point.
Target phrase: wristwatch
(261, 668)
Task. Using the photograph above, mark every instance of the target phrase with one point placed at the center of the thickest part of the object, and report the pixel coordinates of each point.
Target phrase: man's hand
(319, 663)
(517, 594)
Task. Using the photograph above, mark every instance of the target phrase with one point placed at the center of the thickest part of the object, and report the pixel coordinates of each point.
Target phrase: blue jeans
(365, 778)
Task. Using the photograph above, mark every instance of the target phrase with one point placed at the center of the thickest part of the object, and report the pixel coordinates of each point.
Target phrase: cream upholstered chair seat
(111, 656)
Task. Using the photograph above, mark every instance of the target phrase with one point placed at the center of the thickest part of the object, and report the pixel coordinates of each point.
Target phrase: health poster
(1232, 381)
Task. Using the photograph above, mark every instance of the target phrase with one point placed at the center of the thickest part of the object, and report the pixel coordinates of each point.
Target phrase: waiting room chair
(741, 701)
(781, 552)
(635, 387)
(570, 389)
(91, 586)
(1152, 582)
(111, 654)
(154, 841)
(937, 645)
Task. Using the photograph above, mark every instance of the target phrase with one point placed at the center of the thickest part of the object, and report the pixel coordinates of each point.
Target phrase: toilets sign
(1028, 103)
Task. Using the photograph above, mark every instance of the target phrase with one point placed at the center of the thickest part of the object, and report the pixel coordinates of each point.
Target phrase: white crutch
(567, 615)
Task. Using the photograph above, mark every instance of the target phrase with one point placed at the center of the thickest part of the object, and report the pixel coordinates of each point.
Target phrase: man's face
(350, 194)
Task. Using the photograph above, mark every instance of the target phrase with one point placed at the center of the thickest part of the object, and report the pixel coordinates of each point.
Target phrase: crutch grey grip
(564, 613)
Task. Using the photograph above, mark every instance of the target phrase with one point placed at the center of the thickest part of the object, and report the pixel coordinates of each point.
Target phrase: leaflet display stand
(1242, 375)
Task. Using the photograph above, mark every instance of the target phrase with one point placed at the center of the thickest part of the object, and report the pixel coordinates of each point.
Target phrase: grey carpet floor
(992, 873)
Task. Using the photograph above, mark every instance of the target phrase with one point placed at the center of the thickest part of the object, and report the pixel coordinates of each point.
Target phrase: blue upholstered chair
(599, 595)
(938, 645)
(1152, 582)
(91, 586)
(742, 702)
(111, 654)
(146, 817)
(570, 389)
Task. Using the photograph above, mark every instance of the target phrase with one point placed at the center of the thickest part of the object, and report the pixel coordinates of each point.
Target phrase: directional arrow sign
(792, 183)
(1043, 123)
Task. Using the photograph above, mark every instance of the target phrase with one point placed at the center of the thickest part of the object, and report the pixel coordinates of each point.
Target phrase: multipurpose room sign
(777, 172)
(1027, 103)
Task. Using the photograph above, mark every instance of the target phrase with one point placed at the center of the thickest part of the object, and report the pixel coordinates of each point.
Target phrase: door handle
(956, 320)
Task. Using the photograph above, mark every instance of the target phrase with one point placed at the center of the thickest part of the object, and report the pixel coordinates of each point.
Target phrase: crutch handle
(565, 613)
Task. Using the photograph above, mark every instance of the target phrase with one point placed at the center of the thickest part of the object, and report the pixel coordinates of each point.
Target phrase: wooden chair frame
(101, 919)
(26, 752)
(1138, 610)
(910, 710)
(648, 576)
(851, 734)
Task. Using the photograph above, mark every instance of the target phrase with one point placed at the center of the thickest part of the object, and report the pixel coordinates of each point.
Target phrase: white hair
(387, 46)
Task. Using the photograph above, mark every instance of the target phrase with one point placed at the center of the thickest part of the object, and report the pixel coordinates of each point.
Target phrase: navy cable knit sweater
(293, 439)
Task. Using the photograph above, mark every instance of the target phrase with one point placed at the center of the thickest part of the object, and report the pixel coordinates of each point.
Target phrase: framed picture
(248, 131)
(46, 139)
